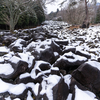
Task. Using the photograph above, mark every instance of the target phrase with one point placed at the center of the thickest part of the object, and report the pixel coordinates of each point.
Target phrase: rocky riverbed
(50, 62)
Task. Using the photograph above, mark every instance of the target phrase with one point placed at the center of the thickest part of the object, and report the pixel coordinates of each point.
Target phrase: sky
(53, 7)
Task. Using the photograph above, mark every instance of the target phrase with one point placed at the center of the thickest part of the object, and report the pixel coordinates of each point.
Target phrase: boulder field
(50, 62)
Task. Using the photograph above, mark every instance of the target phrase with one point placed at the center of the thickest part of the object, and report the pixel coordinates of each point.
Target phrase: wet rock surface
(50, 62)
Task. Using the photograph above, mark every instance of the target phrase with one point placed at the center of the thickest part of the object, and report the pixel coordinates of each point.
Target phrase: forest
(24, 14)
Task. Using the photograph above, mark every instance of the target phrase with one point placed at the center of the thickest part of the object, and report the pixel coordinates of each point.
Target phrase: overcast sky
(53, 7)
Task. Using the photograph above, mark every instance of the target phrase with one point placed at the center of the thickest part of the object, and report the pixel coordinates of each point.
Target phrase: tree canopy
(13, 12)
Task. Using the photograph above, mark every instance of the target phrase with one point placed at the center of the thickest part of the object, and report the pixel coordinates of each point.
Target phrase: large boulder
(60, 90)
(69, 61)
(47, 55)
(53, 88)
(41, 69)
(88, 75)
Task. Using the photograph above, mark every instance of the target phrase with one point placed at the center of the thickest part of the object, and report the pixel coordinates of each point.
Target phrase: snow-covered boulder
(88, 75)
(53, 88)
(69, 61)
(18, 45)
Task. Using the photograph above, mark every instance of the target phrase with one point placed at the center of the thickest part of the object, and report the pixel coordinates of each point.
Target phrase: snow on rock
(69, 61)
(94, 64)
(14, 89)
(84, 95)
(47, 61)
(88, 73)
(38, 67)
(4, 87)
(18, 45)
(29, 97)
(67, 79)
(47, 85)
(6, 69)
(24, 75)
(4, 49)
(17, 89)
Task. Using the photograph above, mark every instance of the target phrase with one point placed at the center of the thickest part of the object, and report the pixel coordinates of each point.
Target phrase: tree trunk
(11, 29)
(12, 26)
(85, 23)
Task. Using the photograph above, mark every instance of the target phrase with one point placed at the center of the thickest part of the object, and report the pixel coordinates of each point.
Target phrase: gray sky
(53, 7)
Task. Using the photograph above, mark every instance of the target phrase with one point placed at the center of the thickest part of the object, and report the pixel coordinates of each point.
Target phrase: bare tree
(13, 9)
(86, 20)
(45, 2)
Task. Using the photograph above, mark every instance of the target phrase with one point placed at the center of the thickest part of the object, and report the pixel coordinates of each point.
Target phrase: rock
(24, 78)
(47, 85)
(60, 91)
(77, 52)
(82, 53)
(88, 75)
(69, 61)
(61, 42)
(41, 69)
(3, 50)
(19, 68)
(69, 49)
(63, 72)
(16, 69)
(4, 95)
(44, 66)
(8, 40)
(87, 95)
(56, 47)
(22, 96)
(74, 83)
(47, 55)
(18, 45)
(55, 71)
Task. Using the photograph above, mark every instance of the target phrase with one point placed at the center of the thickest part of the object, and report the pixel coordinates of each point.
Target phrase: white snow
(8, 98)
(4, 49)
(67, 79)
(69, 96)
(6, 69)
(15, 59)
(48, 84)
(27, 58)
(83, 95)
(29, 97)
(33, 74)
(38, 45)
(18, 44)
(56, 53)
(74, 59)
(17, 89)
(4, 87)
(94, 64)
(55, 68)
(36, 88)
(24, 75)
